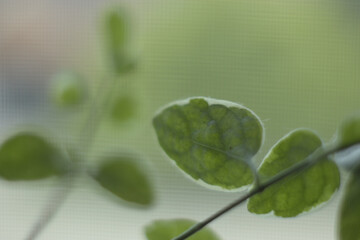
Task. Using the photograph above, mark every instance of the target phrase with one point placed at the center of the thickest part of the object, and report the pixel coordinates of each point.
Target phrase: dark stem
(314, 158)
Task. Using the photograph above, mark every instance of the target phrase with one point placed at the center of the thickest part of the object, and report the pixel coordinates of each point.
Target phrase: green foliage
(350, 209)
(302, 191)
(211, 141)
(168, 229)
(116, 36)
(126, 179)
(123, 108)
(350, 131)
(28, 156)
(68, 89)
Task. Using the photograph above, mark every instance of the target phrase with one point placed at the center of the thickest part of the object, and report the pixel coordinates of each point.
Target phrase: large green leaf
(168, 229)
(302, 191)
(126, 179)
(211, 140)
(349, 225)
(350, 131)
(27, 156)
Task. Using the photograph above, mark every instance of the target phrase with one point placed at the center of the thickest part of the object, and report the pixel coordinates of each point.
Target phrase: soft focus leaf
(349, 224)
(27, 156)
(68, 89)
(350, 131)
(126, 179)
(116, 34)
(115, 29)
(211, 140)
(168, 229)
(300, 192)
(123, 108)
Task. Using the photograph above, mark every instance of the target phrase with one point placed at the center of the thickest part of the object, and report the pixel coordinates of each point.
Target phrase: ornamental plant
(214, 143)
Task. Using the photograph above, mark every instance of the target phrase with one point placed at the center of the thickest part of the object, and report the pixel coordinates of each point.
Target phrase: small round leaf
(68, 89)
(168, 229)
(211, 140)
(350, 209)
(123, 108)
(126, 179)
(302, 191)
(27, 156)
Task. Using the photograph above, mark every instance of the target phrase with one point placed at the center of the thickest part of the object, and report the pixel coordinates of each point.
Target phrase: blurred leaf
(126, 179)
(168, 229)
(350, 131)
(302, 191)
(27, 156)
(214, 141)
(350, 209)
(115, 29)
(116, 34)
(123, 108)
(68, 89)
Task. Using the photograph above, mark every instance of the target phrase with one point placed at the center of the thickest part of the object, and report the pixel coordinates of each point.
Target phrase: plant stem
(86, 139)
(312, 159)
(55, 202)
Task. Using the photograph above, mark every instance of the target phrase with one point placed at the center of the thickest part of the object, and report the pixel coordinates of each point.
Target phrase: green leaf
(168, 229)
(302, 191)
(116, 34)
(123, 108)
(27, 156)
(126, 179)
(115, 29)
(211, 140)
(350, 209)
(350, 131)
(68, 89)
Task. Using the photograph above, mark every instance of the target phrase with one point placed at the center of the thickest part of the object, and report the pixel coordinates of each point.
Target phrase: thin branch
(56, 200)
(314, 158)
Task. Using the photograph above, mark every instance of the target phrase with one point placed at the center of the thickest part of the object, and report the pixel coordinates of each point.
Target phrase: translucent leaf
(350, 131)
(349, 225)
(300, 192)
(126, 179)
(27, 156)
(211, 140)
(168, 229)
(68, 89)
(123, 108)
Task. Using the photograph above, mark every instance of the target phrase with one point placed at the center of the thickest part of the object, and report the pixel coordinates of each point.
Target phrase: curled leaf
(27, 156)
(211, 140)
(302, 191)
(126, 179)
(168, 229)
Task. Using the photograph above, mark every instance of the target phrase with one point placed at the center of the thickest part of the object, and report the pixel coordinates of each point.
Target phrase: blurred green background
(294, 63)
